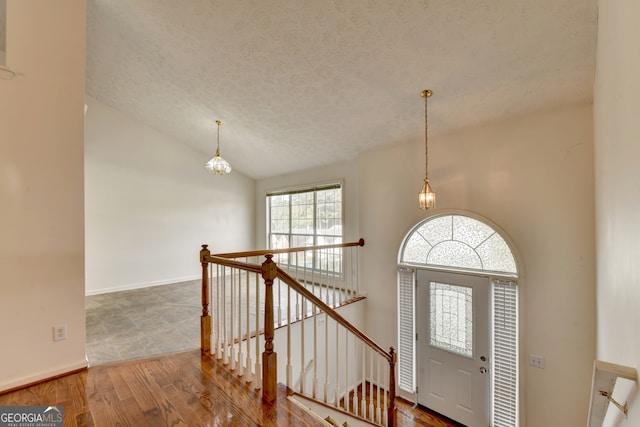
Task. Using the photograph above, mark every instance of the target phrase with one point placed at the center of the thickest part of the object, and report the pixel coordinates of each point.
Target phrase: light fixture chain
(426, 140)
(218, 122)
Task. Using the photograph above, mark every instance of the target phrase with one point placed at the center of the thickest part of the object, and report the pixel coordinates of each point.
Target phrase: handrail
(216, 259)
(293, 283)
(288, 250)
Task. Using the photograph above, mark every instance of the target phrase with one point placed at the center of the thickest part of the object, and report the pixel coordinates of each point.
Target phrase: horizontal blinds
(505, 354)
(333, 186)
(406, 329)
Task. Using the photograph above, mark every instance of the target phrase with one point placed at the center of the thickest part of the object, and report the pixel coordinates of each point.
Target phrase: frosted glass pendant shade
(217, 165)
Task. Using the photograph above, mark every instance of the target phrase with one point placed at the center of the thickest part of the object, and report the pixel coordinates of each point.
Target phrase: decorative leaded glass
(496, 254)
(437, 230)
(458, 241)
(451, 323)
(454, 254)
(417, 249)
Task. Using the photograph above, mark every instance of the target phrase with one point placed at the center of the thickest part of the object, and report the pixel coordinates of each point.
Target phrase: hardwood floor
(180, 389)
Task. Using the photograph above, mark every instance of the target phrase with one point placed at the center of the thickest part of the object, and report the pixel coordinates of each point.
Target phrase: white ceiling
(304, 83)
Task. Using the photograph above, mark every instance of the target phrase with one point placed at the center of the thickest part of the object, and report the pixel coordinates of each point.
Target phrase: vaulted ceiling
(304, 83)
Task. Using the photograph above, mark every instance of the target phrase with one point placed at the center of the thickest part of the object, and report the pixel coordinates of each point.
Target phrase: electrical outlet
(536, 361)
(59, 332)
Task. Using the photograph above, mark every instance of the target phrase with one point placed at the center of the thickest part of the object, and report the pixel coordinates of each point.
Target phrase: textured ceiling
(306, 83)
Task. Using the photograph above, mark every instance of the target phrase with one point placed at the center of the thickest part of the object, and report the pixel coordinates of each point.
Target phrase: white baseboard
(132, 286)
(43, 375)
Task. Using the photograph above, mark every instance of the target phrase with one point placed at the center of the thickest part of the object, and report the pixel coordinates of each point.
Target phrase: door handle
(483, 370)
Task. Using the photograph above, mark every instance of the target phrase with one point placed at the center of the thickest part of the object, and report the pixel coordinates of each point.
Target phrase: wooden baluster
(289, 341)
(392, 414)
(337, 352)
(257, 372)
(205, 319)
(363, 385)
(385, 406)
(314, 391)
(371, 380)
(225, 330)
(248, 331)
(303, 339)
(219, 302)
(269, 357)
(326, 358)
(232, 304)
(347, 399)
(354, 401)
(378, 382)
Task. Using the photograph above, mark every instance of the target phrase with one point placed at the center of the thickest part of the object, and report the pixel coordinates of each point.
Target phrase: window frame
(315, 237)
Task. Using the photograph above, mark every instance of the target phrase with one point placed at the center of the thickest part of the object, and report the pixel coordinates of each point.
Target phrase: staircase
(301, 303)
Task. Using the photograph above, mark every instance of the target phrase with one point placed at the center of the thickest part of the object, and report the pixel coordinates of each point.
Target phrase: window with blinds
(505, 353)
(309, 216)
(406, 329)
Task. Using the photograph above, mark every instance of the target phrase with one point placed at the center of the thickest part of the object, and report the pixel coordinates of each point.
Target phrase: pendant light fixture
(426, 197)
(217, 165)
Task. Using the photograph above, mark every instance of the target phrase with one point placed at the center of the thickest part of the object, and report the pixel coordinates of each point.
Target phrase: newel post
(269, 358)
(392, 416)
(205, 319)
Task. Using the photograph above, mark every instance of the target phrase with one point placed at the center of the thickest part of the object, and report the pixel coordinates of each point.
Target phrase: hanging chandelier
(426, 197)
(217, 165)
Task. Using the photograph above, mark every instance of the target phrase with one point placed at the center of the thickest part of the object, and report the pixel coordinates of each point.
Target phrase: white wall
(150, 204)
(41, 192)
(617, 142)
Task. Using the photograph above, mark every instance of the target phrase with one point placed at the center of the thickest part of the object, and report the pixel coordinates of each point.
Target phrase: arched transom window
(459, 242)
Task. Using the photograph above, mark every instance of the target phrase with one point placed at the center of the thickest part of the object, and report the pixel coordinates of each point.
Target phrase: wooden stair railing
(270, 273)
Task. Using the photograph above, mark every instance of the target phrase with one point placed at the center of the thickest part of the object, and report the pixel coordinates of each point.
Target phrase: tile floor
(163, 319)
(144, 322)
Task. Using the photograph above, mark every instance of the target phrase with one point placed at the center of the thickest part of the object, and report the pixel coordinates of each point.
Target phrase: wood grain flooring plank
(82, 419)
(139, 386)
(197, 397)
(97, 387)
(147, 392)
(120, 384)
(160, 373)
(188, 414)
(227, 399)
(135, 416)
(120, 413)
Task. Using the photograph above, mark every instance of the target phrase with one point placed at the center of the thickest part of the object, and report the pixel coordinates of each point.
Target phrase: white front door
(454, 346)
